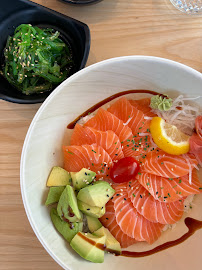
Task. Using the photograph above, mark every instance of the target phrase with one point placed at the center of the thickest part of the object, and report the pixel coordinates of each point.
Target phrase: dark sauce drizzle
(104, 101)
(90, 241)
(192, 224)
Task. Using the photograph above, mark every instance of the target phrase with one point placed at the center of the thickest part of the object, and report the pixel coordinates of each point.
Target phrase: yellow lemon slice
(168, 137)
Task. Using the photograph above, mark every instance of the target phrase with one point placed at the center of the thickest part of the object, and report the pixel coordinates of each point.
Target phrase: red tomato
(124, 170)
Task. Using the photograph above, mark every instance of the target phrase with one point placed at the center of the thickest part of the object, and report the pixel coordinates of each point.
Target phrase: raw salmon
(138, 145)
(133, 117)
(169, 189)
(195, 141)
(104, 120)
(151, 209)
(162, 164)
(130, 221)
(92, 157)
(108, 140)
(143, 105)
(198, 125)
(109, 221)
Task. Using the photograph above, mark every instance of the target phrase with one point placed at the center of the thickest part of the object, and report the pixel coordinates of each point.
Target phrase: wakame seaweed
(36, 60)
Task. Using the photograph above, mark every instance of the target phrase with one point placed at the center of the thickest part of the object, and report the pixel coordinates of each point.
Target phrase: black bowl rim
(40, 99)
(81, 2)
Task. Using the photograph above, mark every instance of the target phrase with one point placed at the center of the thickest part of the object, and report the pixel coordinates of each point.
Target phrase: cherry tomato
(124, 170)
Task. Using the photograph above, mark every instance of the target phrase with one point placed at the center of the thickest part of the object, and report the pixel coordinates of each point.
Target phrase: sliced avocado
(92, 211)
(96, 194)
(67, 206)
(58, 177)
(82, 178)
(112, 245)
(89, 247)
(67, 229)
(54, 195)
(93, 223)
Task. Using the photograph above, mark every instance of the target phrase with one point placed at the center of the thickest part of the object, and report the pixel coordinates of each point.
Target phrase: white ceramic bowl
(42, 150)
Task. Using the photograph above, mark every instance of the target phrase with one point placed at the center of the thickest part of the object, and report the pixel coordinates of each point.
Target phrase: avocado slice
(96, 194)
(112, 245)
(67, 206)
(89, 247)
(58, 177)
(67, 229)
(93, 223)
(54, 195)
(89, 210)
(82, 178)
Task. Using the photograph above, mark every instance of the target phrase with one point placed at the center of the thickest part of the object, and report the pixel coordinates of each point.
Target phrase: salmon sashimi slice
(138, 145)
(151, 209)
(104, 120)
(198, 125)
(91, 157)
(130, 221)
(143, 105)
(133, 117)
(162, 164)
(108, 140)
(170, 189)
(109, 222)
(195, 141)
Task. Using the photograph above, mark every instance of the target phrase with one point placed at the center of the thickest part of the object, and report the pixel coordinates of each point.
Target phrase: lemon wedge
(168, 137)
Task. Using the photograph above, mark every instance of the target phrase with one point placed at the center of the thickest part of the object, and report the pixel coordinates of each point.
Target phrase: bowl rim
(79, 2)
(55, 92)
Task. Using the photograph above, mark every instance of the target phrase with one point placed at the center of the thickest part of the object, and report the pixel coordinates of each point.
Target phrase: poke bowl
(48, 132)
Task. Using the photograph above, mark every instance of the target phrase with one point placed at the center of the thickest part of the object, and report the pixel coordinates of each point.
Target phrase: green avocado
(68, 230)
(82, 178)
(58, 177)
(89, 247)
(54, 195)
(89, 210)
(67, 206)
(112, 245)
(93, 223)
(96, 194)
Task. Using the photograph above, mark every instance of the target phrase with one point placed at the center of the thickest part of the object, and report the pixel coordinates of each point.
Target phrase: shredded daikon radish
(190, 169)
(196, 167)
(144, 134)
(126, 123)
(148, 118)
(180, 114)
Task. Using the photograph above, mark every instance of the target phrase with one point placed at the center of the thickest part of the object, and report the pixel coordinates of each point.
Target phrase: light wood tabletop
(118, 27)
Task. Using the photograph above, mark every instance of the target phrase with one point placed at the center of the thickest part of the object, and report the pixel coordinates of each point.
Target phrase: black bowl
(73, 32)
(81, 2)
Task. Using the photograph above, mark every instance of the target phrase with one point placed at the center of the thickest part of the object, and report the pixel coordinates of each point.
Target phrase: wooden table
(118, 27)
